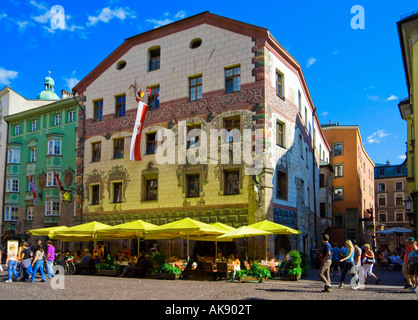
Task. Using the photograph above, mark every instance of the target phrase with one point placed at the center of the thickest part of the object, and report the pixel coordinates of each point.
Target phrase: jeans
(49, 270)
(11, 270)
(39, 265)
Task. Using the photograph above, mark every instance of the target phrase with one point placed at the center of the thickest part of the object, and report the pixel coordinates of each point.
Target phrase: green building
(41, 145)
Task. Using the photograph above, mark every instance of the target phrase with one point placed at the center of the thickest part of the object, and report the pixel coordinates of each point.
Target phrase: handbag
(25, 263)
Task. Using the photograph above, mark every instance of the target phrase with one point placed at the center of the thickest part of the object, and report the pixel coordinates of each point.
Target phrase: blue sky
(355, 76)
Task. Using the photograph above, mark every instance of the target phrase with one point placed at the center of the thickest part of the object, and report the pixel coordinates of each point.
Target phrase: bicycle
(67, 263)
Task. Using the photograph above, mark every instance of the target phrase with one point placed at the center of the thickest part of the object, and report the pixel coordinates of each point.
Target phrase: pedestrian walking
(357, 263)
(405, 266)
(25, 256)
(50, 257)
(11, 263)
(368, 263)
(413, 265)
(324, 269)
(348, 262)
(335, 260)
(38, 264)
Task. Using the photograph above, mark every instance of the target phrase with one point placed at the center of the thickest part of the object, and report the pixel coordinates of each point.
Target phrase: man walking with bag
(324, 269)
(50, 257)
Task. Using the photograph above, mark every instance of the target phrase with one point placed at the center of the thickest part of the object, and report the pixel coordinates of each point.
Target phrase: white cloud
(6, 76)
(372, 98)
(391, 97)
(377, 136)
(71, 82)
(162, 22)
(324, 114)
(3, 15)
(402, 157)
(311, 61)
(108, 14)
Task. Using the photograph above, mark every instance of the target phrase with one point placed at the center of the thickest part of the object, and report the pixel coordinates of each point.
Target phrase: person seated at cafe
(86, 256)
(133, 265)
(220, 258)
(126, 251)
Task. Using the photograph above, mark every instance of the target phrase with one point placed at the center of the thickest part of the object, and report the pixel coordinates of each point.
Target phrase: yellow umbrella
(129, 230)
(45, 231)
(185, 228)
(81, 232)
(244, 232)
(274, 228)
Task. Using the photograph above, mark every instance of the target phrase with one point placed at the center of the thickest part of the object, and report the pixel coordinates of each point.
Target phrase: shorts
(405, 267)
(413, 269)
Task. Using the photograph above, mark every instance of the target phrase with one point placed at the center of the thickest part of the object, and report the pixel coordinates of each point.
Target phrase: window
(382, 216)
(193, 137)
(151, 189)
(120, 106)
(338, 221)
(398, 185)
(322, 180)
(32, 155)
(322, 211)
(13, 156)
(399, 200)
(399, 216)
(195, 88)
(12, 185)
(34, 125)
(118, 146)
(233, 79)
(281, 185)
(71, 116)
(338, 193)
(193, 185)
(17, 130)
(51, 180)
(54, 147)
(117, 192)
(382, 201)
(151, 143)
(57, 119)
(338, 170)
(154, 59)
(11, 214)
(30, 213)
(96, 151)
(52, 208)
(300, 102)
(279, 84)
(280, 134)
(98, 110)
(337, 149)
(231, 182)
(381, 186)
(154, 97)
(229, 125)
(95, 194)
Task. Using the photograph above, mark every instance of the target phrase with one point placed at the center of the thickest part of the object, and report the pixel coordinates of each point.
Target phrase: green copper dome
(48, 93)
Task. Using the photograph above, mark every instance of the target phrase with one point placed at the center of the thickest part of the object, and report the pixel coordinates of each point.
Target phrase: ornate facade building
(215, 74)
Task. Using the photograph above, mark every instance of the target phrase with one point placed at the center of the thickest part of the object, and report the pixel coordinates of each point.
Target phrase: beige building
(205, 72)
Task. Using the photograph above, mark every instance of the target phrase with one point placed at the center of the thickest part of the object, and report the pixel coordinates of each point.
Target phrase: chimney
(65, 94)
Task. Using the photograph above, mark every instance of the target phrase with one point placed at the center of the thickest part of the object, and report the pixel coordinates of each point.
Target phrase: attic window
(195, 43)
(121, 64)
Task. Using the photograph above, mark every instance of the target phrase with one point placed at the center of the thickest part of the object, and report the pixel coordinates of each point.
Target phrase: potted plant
(162, 270)
(294, 272)
(108, 268)
(256, 273)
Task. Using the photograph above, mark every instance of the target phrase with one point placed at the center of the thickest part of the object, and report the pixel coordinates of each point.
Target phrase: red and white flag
(135, 154)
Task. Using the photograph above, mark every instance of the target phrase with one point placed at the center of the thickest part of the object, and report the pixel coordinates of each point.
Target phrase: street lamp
(411, 215)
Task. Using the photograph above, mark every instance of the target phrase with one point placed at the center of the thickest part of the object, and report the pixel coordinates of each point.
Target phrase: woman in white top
(368, 263)
(38, 264)
(11, 263)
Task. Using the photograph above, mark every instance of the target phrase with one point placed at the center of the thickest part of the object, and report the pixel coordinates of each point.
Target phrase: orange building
(352, 186)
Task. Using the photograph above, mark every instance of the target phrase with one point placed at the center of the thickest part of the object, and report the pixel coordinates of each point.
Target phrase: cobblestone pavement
(78, 287)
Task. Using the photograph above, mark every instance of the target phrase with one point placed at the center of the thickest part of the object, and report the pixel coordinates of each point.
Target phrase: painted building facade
(391, 189)
(41, 142)
(408, 38)
(211, 73)
(352, 186)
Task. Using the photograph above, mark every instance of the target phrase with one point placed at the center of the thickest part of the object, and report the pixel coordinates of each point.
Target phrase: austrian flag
(135, 154)
(34, 191)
